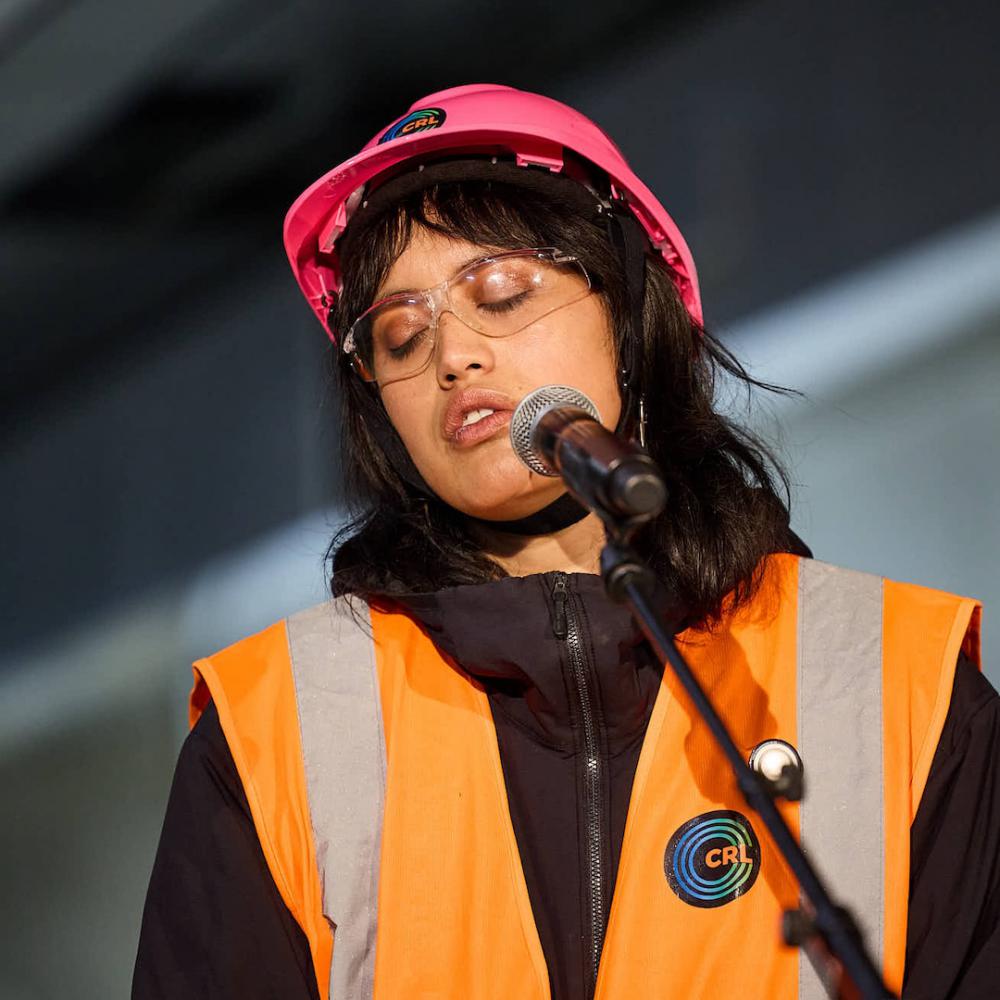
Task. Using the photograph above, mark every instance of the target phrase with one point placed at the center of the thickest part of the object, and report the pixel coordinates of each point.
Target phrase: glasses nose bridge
(439, 299)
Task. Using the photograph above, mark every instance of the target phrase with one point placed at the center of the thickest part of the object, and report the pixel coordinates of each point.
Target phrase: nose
(460, 350)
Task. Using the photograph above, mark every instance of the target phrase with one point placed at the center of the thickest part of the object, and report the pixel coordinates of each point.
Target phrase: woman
(467, 776)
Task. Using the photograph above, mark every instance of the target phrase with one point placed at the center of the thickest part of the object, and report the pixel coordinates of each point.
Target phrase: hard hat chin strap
(629, 241)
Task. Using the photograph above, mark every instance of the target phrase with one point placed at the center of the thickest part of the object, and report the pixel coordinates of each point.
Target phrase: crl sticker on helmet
(712, 859)
(415, 121)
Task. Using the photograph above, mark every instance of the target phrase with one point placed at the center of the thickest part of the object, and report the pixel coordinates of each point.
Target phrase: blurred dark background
(169, 469)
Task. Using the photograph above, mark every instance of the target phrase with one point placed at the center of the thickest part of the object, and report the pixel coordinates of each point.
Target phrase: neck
(575, 549)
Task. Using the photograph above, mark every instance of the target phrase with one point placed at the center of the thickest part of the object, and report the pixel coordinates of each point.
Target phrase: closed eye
(505, 305)
(409, 345)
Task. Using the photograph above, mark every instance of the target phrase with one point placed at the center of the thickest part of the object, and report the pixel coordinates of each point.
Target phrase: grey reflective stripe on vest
(840, 741)
(343, 748)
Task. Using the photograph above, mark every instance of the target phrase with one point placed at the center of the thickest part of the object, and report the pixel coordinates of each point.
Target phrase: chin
(511, 510)
(505, 491)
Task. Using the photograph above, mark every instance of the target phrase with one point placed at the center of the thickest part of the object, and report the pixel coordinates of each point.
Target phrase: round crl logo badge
(415, 121)
(712, 859)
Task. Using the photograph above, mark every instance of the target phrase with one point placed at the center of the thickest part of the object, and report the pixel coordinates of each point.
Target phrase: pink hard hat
(482, 118)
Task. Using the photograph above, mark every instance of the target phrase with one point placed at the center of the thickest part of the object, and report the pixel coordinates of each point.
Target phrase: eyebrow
(458, 270)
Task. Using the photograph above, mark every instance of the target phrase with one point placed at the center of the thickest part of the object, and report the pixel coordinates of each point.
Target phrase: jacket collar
(502, 634)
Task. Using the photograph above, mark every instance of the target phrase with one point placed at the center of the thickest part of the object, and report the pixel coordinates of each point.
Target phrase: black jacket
(215, 925)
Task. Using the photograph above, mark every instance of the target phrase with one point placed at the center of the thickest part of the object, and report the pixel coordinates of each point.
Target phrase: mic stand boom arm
(826, 931)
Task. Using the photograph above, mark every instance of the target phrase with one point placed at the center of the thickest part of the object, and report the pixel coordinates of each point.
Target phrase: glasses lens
(497, 297)
(503, 296)
(394, 338)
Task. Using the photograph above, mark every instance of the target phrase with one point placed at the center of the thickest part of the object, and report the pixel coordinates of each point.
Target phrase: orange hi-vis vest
(371, 767)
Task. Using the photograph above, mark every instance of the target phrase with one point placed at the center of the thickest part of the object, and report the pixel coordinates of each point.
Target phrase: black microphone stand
(827, 932)
(556, 430)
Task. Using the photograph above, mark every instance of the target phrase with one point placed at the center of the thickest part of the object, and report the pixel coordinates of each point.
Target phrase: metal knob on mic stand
(556, 431)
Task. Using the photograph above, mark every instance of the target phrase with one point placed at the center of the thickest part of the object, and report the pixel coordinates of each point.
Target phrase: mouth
(486, 424)
(475, 415)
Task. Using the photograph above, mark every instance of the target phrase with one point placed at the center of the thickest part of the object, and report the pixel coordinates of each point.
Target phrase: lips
(468, 401)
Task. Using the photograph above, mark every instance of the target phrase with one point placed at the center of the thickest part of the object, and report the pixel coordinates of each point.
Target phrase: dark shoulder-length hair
(728, 495)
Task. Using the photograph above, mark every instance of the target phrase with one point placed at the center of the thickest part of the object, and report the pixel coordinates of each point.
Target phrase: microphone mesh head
(530, 410)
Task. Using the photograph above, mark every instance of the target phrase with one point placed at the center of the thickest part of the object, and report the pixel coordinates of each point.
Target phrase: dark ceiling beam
(79, 66)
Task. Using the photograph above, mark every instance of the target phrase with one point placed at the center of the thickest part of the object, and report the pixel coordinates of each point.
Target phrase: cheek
(410, 412)
(580, 354)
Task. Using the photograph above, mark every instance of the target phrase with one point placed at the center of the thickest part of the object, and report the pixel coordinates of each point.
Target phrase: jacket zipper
(567, 628)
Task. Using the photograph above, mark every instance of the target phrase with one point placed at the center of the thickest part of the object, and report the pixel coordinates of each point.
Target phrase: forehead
(428, 259)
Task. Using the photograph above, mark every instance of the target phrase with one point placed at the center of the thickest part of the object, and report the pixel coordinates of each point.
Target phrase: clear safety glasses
(497, 296)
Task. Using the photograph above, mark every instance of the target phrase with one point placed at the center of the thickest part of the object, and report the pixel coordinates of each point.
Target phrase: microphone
(556, 431)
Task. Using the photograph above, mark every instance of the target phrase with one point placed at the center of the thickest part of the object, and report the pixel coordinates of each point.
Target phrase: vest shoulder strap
(309, 678)
(876, 664)
(340, 719)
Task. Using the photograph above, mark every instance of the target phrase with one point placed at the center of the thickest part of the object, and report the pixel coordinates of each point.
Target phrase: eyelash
(504, 305)
(409, 346)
